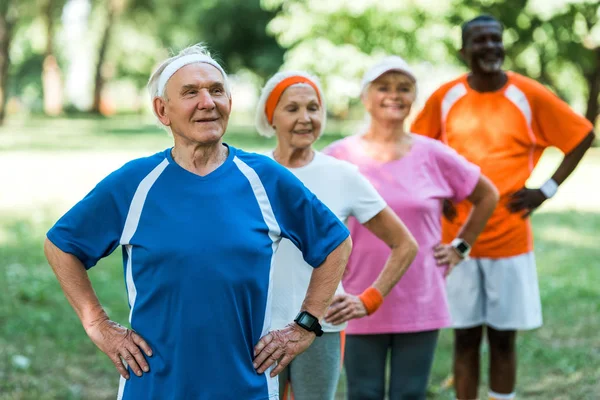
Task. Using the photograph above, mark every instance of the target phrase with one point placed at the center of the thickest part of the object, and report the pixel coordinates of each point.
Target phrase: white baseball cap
(387, 64)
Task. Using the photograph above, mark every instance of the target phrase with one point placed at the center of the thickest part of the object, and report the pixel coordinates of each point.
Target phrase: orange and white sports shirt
(504, 133)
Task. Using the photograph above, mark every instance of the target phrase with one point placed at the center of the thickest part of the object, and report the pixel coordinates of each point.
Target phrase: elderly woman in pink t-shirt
(414, 175)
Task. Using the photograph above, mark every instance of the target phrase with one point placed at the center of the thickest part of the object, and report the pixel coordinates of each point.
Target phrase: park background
(73, 108)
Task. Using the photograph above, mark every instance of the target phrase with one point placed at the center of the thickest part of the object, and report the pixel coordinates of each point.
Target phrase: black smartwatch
(309, 322)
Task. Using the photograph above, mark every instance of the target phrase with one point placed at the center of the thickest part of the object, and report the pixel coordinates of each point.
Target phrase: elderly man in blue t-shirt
(199, 224)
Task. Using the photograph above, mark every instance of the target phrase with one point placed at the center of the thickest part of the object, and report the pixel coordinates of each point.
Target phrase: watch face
(306, 320)
(462, 248)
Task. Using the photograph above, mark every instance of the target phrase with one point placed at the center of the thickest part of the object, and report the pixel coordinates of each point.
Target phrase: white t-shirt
(342, 188)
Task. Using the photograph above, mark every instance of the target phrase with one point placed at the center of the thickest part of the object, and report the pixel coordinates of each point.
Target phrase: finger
(264, 354)
(516, 199)
(339, 306)
(335, 314)
(528, 213)
(448, 270)
(440, 254)
(264, 341)
(338, 297)
(516, 206)
(138, 340)
(342, 316)
(272, 359)
(341, 319)
(116, 360)
(284, 362)
(334, 303)
(442, 260)
(519, 193)
(138, 356)
(131, 361)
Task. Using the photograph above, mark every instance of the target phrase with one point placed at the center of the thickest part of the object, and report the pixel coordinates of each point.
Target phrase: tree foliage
(336, 39)
(234, 30)
(559, 47)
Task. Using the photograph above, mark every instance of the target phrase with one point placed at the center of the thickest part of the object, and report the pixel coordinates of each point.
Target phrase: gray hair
(198, 49)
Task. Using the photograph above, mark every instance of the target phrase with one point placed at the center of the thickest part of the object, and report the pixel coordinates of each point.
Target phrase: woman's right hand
(120, 343)
(446, 256)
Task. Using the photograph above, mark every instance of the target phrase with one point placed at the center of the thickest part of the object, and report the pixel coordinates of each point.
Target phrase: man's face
(197, 104)
(483, 48)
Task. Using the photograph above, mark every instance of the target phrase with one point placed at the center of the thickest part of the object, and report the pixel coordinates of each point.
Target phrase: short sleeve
(91, 229)
(305, 220)
(460, 175)
(333, 150)
(429, 120)
(555, 123)
(366, 201)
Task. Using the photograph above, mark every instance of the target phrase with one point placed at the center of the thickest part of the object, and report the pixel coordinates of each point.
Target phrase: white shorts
(500, 292)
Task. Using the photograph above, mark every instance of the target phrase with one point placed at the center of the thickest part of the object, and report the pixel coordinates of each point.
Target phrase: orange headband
(278, 90)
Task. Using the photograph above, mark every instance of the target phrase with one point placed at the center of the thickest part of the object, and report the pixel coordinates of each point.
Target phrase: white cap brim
(391, 63)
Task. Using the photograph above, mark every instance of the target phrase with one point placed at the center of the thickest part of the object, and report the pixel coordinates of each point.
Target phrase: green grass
(559, 361)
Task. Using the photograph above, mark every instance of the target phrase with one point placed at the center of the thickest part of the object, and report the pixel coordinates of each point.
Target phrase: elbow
(589, 139)
(411, 249)
(494, 195)
(48, 248)
(486, 194)
(414, 249)
(347, 246)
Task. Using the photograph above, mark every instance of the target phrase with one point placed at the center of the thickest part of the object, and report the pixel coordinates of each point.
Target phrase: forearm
(477, 219)
(484, 199)
(397, 264)
(325, 280)
(571, 160)
(76, 285)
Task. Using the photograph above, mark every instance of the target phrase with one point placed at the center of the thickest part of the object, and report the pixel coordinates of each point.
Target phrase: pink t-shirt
(414, 187)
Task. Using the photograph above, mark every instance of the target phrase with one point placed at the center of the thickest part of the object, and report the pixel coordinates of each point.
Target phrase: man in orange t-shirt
(501, 121)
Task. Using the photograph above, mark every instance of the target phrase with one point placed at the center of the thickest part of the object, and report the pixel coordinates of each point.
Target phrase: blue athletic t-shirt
(197, 254)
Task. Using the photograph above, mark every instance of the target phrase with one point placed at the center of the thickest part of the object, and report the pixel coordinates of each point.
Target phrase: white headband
(182, 62)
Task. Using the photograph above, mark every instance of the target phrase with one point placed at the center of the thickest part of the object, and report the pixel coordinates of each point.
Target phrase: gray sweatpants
(314, 374)
(411, 360)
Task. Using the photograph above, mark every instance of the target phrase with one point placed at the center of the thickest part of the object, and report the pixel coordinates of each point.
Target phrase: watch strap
(461, 247)
(315, 325)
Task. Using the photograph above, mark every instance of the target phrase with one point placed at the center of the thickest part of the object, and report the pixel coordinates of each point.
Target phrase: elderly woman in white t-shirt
(292, 108)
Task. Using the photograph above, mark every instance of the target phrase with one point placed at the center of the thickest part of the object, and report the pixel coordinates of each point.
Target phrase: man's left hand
(281, 346)
(525, 201)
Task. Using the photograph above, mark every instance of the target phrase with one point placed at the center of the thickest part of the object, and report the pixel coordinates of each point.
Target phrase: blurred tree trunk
(114, 7)
(6, 31)
(593, 82)
(51, 73)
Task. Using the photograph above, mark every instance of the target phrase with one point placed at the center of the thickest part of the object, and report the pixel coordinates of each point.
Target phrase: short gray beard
(490, 67)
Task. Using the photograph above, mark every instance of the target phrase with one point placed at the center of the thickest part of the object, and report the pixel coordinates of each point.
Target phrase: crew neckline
(317, 154)
(360, 145)
(494, 92)
(220, 170)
